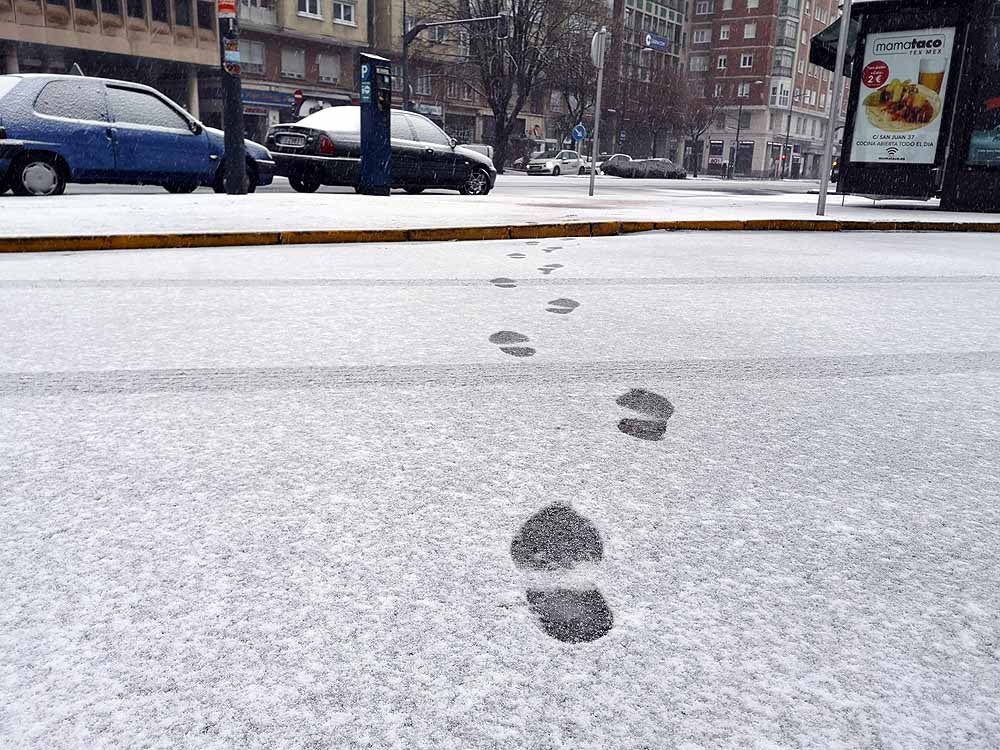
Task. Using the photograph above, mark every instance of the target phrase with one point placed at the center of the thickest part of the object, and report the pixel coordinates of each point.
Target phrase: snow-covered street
(266, 497)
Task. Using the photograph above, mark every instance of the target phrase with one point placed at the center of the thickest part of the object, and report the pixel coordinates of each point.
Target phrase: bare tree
(571, 72)
(510, 69)
(698, 108)
(657, 104)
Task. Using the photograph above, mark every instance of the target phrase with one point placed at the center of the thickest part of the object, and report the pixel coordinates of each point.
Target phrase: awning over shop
(823, 50)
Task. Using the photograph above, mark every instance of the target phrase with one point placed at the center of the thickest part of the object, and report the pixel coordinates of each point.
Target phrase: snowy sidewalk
(265, 498)
(540, 202)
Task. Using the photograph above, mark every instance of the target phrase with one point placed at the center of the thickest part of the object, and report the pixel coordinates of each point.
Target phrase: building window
(439, 34)
(463, 43)
(329, 67)
(344, 13)
(743, 91)
(453, 90)
(206, 14)
(750, 31)
(134, 8)
(182, 12)
(293, 63)
(722, 63)
(158, 10)
(727, 4)
(468, 93)
(703, 8)
(309, 8)
(753, 4)
(746, 60)
(112, 8)
(424, 87)
(699, 64)
(718, 91)
(252, 56)
(702, 36)
(724, 32)
(397, 77)
(745, 119)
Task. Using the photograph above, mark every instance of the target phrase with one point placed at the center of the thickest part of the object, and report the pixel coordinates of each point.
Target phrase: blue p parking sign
(579, 132)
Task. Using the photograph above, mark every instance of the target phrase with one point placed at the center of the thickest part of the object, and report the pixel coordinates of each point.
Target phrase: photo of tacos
(900, 106)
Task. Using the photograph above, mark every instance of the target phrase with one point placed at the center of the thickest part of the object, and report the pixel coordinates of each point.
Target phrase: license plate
(292, 140)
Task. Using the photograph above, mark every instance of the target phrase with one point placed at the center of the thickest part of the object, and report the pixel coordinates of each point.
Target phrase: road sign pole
(838, 89)
(597, 50)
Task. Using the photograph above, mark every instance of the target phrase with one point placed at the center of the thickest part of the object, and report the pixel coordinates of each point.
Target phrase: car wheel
(414, 190)
(303, 184)
(38, 175)
(582, 171)
(178, 188)
(555, 171)
(476, 183)
(219, 184)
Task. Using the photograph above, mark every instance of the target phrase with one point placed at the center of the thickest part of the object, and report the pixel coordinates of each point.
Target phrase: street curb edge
(187, 240)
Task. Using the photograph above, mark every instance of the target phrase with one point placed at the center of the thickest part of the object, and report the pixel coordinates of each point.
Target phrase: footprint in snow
(551, 249)
(558, 538)
(562, 306)
(516, 255)
(648, 404)
(547, 269)
(504, 283)
(508, 341)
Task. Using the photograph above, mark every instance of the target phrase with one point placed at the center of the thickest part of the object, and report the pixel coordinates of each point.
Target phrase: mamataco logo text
(912, 45)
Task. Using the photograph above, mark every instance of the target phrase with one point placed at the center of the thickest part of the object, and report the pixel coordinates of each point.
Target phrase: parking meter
(376, 108)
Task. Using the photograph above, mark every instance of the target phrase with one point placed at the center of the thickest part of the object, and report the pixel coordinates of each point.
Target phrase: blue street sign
(579, 132)
(657, 42)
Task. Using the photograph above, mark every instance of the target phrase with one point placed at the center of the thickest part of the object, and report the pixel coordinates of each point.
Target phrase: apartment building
(298, 56)
(170, 44)
(647, 35)
(753, 56)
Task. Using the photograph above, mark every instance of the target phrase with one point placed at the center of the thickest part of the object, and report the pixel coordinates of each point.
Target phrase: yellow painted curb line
(444, 234)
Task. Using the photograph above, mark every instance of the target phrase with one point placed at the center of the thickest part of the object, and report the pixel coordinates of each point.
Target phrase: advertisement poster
(903, 89)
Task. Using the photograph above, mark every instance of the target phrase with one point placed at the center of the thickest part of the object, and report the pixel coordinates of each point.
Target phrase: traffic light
(503, 26)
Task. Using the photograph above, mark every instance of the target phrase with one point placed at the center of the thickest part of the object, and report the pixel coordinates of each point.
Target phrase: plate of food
(902, 105)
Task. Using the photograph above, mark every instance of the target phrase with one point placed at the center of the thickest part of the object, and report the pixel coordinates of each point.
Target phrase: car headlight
(550, 164)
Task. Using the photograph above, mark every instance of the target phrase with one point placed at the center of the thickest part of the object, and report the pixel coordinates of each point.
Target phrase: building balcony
(259, 14)
(781, 71)
(789, 8)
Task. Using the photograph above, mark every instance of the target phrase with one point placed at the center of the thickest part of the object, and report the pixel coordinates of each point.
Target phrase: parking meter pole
(235, 165)
(597, 49)
(376, 108)
(838, 90)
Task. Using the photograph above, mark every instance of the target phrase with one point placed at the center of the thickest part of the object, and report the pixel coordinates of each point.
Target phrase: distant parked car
(602, 159)
(59, 129)
(556, 163)
(624, 166)
(325, 149)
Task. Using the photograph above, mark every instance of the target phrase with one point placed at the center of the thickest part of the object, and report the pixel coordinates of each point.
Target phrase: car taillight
(326, 145)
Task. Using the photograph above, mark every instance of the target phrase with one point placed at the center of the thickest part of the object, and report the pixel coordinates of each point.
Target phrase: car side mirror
(452, 142)
(195, 127)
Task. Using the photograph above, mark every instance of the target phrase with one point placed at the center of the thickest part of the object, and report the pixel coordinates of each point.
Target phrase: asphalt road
(513, 183)
(665, 490)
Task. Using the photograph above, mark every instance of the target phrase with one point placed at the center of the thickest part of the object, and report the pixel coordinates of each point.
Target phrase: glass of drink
(932, 73)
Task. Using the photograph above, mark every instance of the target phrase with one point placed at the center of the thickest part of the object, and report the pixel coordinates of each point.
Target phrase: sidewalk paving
(121, 214)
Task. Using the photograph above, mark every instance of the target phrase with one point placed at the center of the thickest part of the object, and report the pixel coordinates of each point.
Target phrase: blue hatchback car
(58, 129)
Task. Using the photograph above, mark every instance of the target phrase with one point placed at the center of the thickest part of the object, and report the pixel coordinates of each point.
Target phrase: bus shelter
(923, 113)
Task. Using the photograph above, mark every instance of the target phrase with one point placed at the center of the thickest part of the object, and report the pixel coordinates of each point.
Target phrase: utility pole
(838, 90)
(739, 126)
(234, 165)
(787, 157)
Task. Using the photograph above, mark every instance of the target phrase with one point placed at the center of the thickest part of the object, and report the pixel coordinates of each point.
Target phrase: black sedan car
(325, 149)
(623, 166)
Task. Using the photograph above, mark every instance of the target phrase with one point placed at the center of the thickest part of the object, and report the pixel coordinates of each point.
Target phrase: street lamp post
(786, 157)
